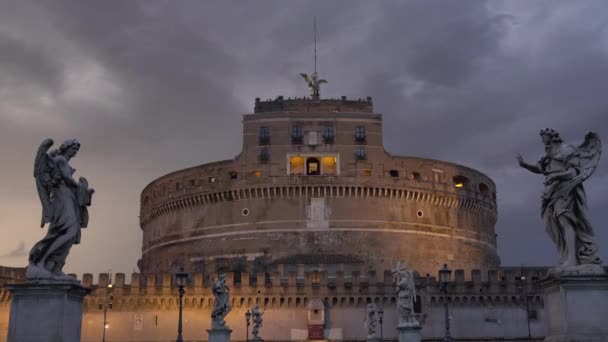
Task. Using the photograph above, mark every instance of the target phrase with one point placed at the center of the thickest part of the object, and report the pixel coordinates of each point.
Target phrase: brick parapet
(499, 287)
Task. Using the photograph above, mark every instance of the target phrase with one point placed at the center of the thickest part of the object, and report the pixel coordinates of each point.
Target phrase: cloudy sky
(154, 86)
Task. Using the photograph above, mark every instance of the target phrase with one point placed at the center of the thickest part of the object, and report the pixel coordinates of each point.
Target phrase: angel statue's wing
(412, 284)
(306, 77)
(44, 174)
(588, 153)
(322, 81)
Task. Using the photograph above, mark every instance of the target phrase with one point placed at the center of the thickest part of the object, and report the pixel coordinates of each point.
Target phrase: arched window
(483, 189)
(312, 167)
(416, 175)
(460, 182)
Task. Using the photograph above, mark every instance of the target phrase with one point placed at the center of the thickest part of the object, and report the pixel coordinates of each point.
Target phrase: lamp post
(524, 286)
(444, 277)
(380, 315)
(181, 278)
(248, 318)
(106, 324)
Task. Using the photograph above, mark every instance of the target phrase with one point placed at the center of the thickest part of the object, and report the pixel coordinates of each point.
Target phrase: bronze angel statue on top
(314, 84)
(564, 204)
(64, 207)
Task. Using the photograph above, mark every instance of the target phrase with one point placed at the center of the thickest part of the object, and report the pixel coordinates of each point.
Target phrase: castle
(307, 221)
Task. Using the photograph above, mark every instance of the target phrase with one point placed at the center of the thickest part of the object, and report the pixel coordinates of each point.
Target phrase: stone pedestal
(256, 339)
(373, 339)
(409, 333)
(576, 308)
(219, 334)
(46, 312)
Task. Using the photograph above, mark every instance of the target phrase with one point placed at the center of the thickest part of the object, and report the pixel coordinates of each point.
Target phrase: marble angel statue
(564, 205)
(64, 207)
(257, 318)
(314, 84)
(405, 291)
(371, 320)
(221, 306)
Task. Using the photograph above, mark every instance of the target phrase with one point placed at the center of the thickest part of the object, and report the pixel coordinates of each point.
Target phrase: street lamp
(524, 287)
(248, 318)
(444, 277)
(181, 279)
(107, 302)
(380, 315)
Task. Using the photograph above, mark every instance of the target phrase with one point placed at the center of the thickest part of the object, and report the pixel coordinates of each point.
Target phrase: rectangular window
(296, 135)
(264, 155)
(296, 166)
(360, 153)
(264, 136)
(360, 134)
(329, 166)
(328, 135)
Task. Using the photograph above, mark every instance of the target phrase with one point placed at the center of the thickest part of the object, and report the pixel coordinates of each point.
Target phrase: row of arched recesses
(170, 303)
(317, 191)
(486, 300)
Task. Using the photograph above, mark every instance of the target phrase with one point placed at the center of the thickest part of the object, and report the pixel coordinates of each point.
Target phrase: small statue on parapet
(221, 306)
(405, 291)
(257, 318)
(371, 321)
(64, 207)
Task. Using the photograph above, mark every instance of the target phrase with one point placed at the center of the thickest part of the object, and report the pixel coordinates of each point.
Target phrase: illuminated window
(367, 172)
(211, 179)
(257, 173)
(296, 166)
(330, 166)
(416, 175)
(460, 182)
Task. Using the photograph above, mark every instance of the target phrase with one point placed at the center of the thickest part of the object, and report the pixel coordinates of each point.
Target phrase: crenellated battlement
(294, 289)
(304, 104)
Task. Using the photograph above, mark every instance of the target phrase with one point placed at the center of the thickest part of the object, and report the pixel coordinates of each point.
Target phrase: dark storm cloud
(154, 86)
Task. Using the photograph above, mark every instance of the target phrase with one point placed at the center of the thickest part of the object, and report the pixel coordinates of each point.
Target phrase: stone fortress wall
(491, 305)
(241, 210)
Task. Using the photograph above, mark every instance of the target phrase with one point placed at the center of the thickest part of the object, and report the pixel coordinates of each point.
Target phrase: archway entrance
(312, 167)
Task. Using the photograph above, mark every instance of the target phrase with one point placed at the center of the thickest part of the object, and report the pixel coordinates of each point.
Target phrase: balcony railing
(329, 139)
(296, 139)
(360, 139)
(264, 140)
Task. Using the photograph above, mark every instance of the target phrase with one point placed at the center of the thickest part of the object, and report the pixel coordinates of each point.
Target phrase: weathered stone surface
(49, 312)
(576, 308)
(219, 335)
(409, 333)
(366, 210)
